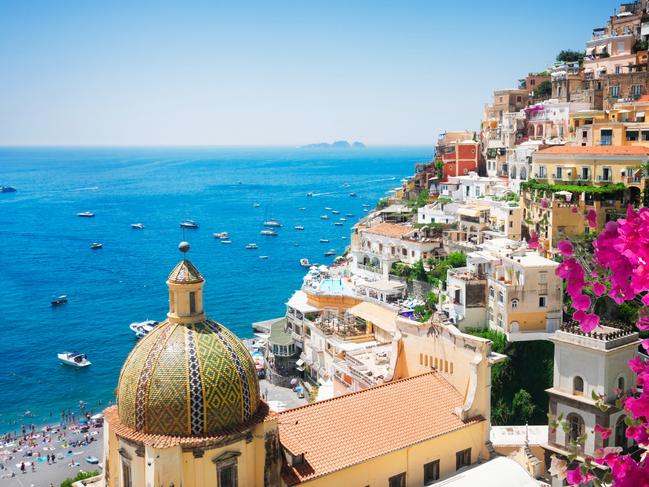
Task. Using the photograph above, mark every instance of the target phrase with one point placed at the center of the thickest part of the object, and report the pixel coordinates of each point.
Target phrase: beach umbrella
(293, 382)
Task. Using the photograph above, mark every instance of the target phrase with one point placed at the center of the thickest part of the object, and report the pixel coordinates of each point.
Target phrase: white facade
(440, 212)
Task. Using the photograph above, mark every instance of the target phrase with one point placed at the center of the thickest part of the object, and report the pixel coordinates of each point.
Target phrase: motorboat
(137, 226)
(189, 224)
(343, 237)
(298, 227)
(7, 189)
(221, 235)
(366, 205)
(343, 219)
(329, 253)
(325, 217)
(335, 212)
(324, 240)
(226, 241)
(263, 257)
(302, 209)
(365, 210)
(86, 214)
(251, 246)
(309, 194)
(58, 300)
(272, 223)
(143, 327)
(74, 359)
(304, 262)
(349, 215)
(96, 245)
(328, 208)
(338, 224)
(269, 233)
(255, 205)
(353, 195)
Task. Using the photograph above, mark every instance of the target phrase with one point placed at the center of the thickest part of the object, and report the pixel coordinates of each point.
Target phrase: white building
(440, 212)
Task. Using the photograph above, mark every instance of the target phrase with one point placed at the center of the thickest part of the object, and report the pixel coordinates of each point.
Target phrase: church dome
(187, 377)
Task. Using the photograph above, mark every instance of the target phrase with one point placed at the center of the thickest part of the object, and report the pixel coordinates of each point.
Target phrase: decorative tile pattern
(195, 387)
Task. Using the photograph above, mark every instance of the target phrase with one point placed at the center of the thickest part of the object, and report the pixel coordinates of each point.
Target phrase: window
(576, 428)
(514, 303)
(645, 135)
(606, 136)
(585, 173)
(543, 277)
(578, 386)
(606, 174)
(492, 292)
(559, 172)
(542, 301)
(636, 90)
(192, 302)
(431, 472)
(501, 297)
(614, 91)
(541, 171)
(620, 383)
(462, 458)
(228, 476)
(632, 135)
(398, 480)
(620, 433)
(126, 473)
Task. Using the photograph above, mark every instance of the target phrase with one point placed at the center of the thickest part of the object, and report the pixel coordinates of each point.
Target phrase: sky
(266, 72)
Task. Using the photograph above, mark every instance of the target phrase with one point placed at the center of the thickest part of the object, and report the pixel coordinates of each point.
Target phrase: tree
(79, 476)
(420, 271)
(456, 259)
(569, 56)
(422, 199)
(544, 90)
(523, 406)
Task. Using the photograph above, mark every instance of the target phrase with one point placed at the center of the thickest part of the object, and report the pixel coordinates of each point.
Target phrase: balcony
(604, 178)
(342, 326)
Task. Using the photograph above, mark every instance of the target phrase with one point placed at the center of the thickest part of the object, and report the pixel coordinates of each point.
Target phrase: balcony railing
(604, 178)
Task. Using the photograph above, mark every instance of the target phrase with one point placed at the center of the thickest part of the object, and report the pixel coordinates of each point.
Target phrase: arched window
(620, 433)
(621, 384)
(578, 386)
(514, 303)
(576, 428)
(492, 292)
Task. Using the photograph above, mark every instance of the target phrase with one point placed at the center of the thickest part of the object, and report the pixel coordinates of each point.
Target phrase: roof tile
(596, 150)
(389, 230)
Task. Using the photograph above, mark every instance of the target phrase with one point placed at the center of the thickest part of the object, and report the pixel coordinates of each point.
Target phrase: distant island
(339, 144)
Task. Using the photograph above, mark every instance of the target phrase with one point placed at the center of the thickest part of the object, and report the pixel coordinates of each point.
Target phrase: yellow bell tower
(185, 291)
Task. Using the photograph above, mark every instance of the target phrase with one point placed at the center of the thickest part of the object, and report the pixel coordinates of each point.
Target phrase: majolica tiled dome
(187, 378)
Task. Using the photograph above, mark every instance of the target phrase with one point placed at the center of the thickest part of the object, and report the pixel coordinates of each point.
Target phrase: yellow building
(569, 181)
(189, 412)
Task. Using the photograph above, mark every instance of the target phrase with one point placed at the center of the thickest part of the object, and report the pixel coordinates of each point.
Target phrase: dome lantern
(185, 291)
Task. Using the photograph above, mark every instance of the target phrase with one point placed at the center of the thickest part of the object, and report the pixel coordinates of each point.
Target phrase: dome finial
(184, 247)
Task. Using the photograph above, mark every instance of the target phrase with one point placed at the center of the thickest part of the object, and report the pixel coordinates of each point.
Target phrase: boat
(329, 253)
(58, 300)
(343, 219)
(96, 245)
(309, 194)
(335, 212)
(221, 235)
(304, 262)
(143, 327)
(324, 240)
(353, 195)
(255, 205)
(7, 189)
(366, 205)
(325, 217)
(86, 214)
(137, 226)
(269, 233)
(328, 208)
(302, 209)
(264, 257)
(298, 227)
(251, 246)
(349, 215)
(343, 237)
(272, 223)
(189, 224)
(74, 359)
(365, 210)
(226, 241)
(338, 224)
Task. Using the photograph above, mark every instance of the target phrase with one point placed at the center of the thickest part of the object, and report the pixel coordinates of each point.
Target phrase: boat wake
(89, 188)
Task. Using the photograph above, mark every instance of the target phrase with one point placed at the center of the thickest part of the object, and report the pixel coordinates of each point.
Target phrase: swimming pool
(332, 286)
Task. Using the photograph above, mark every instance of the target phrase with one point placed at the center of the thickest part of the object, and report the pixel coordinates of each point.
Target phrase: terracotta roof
(111, 415)
(389, 230)
(603, 150)
(351, 429)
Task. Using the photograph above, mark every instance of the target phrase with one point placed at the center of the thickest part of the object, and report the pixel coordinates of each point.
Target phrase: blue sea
(44, 249)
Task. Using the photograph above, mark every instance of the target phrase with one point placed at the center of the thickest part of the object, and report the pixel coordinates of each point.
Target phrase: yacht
(143, 327)
(251, 246)
(74, 359)
(329, 253)
(268, 232)
(221, 235)
(343, 219)
(189, 224)
(302, 209)
(86, 214)
(304, 262)
(335, 212)
(272, 223)
(255, 205)
(338, 224)
(349, 215)
(226, 241)
(298, 227)
(96, 245)
(324, 240)
(309, 194)
(58, 300)
(325, 217)
(7, 189)
(328, 208)
(263, 257)
(343, 237)
(353, 195)
(137, 226)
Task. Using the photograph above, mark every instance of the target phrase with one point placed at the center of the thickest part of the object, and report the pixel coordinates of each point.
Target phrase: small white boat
(189, 224)
(344, 238)
(302, 209)
(137, 226)
(325, 217)
(324, 240)
(251, 246)
(366, 205)
(58, 300)
(74, 359)
(86, 214)
(349, 215)
(96, 245)
(343, 219)
(304, 262)
(226, 241)
(353, 195)
(335, 212)
(365, 210)
(269, 233)
(255, 205)
(221, 235)
(338, 224)
(143, 327)
(309, 194)
(328, 208)
(298, 227)
(272, 223)
(263, 257)
(329, 253)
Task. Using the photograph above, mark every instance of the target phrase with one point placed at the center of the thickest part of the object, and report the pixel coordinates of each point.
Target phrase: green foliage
(542, 73)
(79, 476)
(383, 203)
(456, 259)
(543, 90)
(569, 56)
(439, 167)
(422, 199)
(573, 188)
(419, 271)
(518, 388)
(640, 45)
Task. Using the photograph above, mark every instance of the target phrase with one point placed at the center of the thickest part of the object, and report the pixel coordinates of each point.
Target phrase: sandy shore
(55, 473)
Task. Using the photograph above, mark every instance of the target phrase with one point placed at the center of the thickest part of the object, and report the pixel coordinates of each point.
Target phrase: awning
(639, 114)
(590, 51)
(600, 49)
(468, 212)
(299, 363)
